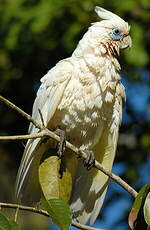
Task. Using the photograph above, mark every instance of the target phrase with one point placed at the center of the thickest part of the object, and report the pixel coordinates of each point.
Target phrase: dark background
(34, 36)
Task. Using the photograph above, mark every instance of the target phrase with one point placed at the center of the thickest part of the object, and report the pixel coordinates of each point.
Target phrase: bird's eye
(116, 34)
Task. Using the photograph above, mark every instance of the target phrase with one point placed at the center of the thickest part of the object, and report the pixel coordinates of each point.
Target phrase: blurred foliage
(6, 224)
(36, 34)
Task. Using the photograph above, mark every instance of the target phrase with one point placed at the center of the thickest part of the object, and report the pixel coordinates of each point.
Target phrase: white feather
(51, 91)
(105, 14)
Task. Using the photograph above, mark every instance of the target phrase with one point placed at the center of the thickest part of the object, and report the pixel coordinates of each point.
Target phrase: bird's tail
(27, 186)
(90, 187)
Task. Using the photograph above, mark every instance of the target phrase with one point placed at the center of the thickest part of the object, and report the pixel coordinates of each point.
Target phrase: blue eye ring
(116, 34)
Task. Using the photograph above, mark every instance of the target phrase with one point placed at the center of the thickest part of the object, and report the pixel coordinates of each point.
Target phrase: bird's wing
(48, 97)
(92, 189)
(51, 91)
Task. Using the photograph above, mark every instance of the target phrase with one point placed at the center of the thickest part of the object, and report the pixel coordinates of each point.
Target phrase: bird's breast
(83, 112)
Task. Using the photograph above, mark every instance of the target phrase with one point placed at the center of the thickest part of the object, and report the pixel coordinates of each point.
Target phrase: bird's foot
(89, 162)
(62, 143)
(37, 205)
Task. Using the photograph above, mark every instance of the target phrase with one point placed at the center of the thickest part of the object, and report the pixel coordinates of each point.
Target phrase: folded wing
(48, 97)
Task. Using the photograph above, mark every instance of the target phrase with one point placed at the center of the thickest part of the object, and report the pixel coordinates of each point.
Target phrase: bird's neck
(94, 45)
(98, 58)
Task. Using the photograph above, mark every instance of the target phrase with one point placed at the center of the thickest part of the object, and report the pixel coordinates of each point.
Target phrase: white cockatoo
(83, 96)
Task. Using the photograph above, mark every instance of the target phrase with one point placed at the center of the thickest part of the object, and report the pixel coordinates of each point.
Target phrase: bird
(82, 96)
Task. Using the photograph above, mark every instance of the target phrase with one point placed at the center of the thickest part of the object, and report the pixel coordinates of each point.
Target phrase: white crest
(105, 14)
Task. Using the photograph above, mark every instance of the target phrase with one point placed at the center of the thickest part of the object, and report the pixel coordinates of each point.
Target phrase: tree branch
(44, 213)
(22, 137)
(46, 132)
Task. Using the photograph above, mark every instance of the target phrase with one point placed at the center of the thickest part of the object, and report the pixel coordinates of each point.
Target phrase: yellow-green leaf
(55, 179)
(48, 177)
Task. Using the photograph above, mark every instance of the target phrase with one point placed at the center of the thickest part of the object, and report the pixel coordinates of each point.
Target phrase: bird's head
(113, 32)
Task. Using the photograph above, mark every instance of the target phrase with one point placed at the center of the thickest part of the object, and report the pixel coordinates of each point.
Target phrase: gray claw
(90, 160)
(62, 143)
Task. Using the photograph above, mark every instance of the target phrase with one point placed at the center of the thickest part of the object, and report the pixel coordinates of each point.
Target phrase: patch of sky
(138, 97)
(144, 172)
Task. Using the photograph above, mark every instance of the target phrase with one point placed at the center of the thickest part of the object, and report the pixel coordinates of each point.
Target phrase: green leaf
(14, 225)
(59, 212)
(147, 209)
(4, 223)
(134, 215)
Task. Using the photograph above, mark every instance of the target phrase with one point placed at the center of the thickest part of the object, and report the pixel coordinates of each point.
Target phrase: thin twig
(85, 227)
(44, 213)
(24, 208)
(24, 114)
(117, 179)
(41, 116)
(22, 137)
(47, 132)
(16, 214)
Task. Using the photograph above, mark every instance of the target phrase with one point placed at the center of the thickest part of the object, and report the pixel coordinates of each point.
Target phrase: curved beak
(126, 42)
